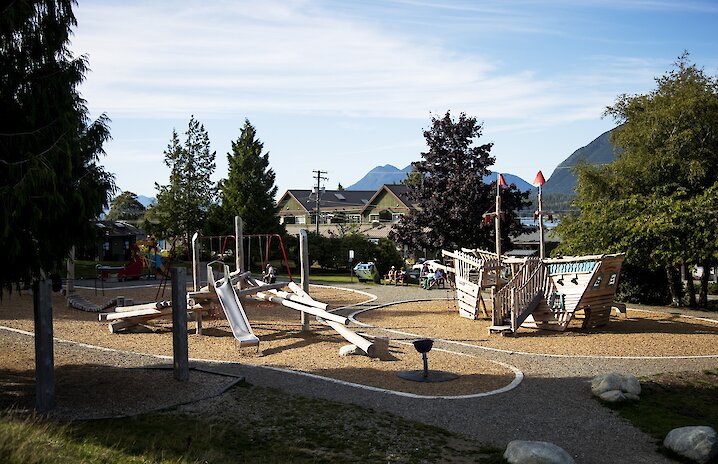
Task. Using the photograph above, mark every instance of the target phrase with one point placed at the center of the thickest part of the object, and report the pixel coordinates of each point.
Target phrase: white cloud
(150, 60)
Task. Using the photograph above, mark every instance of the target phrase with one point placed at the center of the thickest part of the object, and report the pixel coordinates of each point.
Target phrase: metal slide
(233, 309)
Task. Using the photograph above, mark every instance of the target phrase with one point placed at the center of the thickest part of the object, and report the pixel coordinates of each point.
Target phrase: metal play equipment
(423, 346)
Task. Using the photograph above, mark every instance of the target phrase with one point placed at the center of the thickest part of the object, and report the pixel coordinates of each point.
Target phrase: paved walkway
(553, 403)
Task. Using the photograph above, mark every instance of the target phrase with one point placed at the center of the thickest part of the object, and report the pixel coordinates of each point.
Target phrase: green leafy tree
(183, 204)
(51, 182)
(249, 189)
(448, 184)
(657, 201)
(125, 206)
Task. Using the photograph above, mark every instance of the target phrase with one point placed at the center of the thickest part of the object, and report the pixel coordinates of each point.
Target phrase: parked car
(366, 272)
(430, 262)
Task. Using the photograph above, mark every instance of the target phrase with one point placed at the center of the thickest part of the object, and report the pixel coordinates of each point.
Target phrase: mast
(498, 218)
(542, 243)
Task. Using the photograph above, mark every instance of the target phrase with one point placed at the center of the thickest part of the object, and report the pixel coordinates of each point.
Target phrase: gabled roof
(400, 191)
(117, 228)
(332, 199)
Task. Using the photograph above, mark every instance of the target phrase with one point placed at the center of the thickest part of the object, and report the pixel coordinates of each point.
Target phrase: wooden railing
(515, 297)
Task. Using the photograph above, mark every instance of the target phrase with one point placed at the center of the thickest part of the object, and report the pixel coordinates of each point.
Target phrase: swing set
(264, 244)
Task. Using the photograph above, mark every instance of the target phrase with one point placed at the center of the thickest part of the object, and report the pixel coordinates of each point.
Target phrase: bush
(642, 285)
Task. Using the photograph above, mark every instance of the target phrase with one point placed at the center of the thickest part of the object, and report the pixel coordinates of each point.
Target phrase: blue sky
(345, 86)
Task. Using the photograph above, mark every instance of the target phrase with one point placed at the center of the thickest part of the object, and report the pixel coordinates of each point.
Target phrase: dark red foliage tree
(448, 187)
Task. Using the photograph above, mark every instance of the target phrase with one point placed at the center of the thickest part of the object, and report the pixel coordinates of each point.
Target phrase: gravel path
(553, 403)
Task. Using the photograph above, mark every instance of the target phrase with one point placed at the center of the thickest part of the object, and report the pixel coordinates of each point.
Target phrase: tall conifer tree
(182, 205)
(249, 189)
(51, 183)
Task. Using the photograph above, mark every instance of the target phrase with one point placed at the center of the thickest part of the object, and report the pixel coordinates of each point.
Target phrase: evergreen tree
(51, 185)
(448, 185)
(183, 204)
(249, 189)
(125, 206)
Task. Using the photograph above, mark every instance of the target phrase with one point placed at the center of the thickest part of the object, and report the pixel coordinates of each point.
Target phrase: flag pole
(498, 221)
(539, 181)
(542, 243)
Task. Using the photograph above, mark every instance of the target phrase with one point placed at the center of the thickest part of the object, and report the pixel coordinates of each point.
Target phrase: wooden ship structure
(543, 293)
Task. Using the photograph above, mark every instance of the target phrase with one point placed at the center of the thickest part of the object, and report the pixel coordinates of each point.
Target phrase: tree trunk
(674, 284)
(703, 295)
(690, 287)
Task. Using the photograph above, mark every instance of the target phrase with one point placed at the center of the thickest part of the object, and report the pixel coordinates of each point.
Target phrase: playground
(102, 374)
(519, 337)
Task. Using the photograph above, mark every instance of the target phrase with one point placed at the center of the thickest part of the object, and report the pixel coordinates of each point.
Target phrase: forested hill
(600, 151)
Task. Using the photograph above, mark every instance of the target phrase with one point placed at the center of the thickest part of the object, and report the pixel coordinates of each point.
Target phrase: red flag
(502, 181)
(539, 180)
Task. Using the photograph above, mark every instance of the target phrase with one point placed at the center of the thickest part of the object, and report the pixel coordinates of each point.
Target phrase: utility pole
(319, 190)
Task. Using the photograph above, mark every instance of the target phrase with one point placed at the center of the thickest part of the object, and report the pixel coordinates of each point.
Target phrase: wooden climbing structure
(474, 271)
(549, 293)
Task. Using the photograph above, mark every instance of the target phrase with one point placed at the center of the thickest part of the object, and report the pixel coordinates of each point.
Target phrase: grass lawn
(271, 427)
(674, 400)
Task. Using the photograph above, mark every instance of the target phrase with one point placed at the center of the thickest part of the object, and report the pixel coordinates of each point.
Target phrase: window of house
(395, 217)
(373, 217)
(299, 220)
(354, 218)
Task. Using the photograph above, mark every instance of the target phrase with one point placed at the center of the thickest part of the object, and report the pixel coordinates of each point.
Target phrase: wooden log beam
(300, 299)
(364, 344)
(306, 309)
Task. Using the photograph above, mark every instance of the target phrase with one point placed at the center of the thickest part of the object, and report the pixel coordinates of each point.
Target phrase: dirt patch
(639, 334)
(283, 344)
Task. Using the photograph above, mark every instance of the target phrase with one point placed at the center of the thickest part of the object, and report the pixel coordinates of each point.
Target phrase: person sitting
(424, 276)
(391, 276)
(439, 278)
(270, 275)
(401, 277)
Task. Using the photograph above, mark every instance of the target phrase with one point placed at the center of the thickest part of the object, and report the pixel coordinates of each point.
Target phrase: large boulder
(614, 387)
(536, 452)
(697, 443)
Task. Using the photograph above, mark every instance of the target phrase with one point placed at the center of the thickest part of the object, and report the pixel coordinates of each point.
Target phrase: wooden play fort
(230, 290)
(544, 294)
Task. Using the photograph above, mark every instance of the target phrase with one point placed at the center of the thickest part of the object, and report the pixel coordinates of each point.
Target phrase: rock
(349, 350)
(612, 396)
(536, 452)
(606, 382)
(630, 384)
(697, 443)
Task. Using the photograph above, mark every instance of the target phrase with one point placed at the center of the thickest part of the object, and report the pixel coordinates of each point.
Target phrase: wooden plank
(468, 287)
(466, 298)
(468, 309)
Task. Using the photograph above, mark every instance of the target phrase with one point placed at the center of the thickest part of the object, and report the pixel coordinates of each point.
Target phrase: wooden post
(195, 262)
(239, 244)
(179, 324)
(196, 249)
(542, 245)
(498, 229)
(44, 354)
(304, 263)
(70, 285)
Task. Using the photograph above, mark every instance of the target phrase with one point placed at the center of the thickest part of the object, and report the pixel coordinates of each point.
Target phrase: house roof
(336, 200)
(117, 228)
(400, 191)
